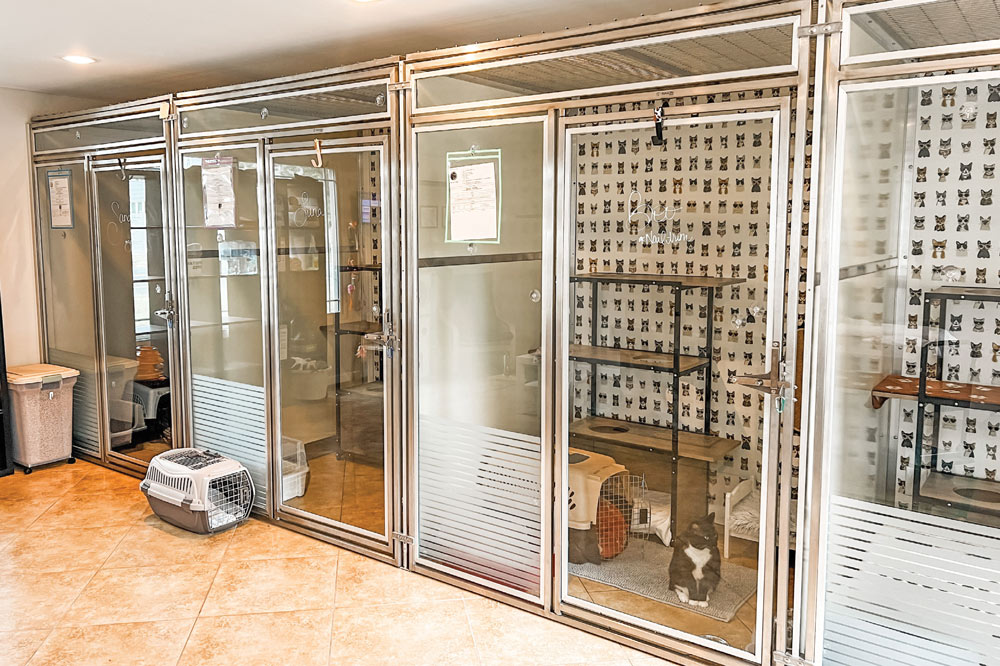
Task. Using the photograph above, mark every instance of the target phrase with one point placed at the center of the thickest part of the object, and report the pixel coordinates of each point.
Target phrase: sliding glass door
(478, 220)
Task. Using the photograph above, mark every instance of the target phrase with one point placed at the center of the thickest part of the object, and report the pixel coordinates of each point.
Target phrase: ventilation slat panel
(479, 501)
(231, 418)
(908, 588)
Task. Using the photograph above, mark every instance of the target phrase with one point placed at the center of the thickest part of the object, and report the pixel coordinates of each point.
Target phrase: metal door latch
(769, 382)
(168, 313)
(404, 538)
(384, 338)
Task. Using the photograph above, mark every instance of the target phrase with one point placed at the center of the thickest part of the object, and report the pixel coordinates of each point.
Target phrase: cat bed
(659, 516)
(742, 514)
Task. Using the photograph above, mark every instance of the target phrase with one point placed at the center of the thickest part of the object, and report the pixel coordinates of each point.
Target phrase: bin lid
(36, 372)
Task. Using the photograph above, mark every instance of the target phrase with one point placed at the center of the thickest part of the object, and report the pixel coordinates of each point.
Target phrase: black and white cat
(696, 566)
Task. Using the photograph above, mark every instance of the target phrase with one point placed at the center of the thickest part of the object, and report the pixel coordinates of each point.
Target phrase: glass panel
(329, 238)
(668, 295)
(714, 51)
(69, 297)
(222, 231)
(913, 501)
(921, 25)
(99, 134)
(479, 329)
(318, 104)
(134, 286)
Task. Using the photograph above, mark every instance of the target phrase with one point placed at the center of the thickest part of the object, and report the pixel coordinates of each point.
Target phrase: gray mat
(646, 573)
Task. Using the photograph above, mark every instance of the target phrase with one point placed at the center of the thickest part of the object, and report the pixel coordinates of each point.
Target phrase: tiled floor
(89, 576)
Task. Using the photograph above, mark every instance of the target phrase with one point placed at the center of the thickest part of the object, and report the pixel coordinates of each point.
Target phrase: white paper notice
(219, 192)
(60, 200)
(472, 202)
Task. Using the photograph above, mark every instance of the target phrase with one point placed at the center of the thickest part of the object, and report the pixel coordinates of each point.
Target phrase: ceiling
(144, 48)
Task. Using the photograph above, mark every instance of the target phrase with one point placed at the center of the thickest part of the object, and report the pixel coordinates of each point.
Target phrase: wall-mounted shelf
(678, 281)
(691, 445)
(641, 359)
(948, 394)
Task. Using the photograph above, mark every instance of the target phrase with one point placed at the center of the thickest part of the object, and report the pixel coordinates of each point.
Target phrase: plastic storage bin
(42, 406)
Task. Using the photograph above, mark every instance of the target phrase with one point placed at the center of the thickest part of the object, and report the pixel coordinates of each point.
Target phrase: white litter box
(294, 469)
(200, 491)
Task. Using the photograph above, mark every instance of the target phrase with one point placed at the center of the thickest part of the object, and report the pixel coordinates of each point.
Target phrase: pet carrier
(196, 490)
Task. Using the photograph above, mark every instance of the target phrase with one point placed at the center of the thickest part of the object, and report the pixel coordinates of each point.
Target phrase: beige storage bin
(42, 407)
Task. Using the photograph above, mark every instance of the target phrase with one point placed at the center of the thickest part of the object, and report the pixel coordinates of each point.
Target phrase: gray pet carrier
(197, 490)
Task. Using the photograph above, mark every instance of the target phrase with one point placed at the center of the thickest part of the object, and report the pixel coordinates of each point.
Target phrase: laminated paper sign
(472, 202)
(60, 199)
(219, 192)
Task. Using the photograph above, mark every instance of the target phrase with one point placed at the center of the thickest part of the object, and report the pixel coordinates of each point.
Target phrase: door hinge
(789, 660)
(167, 111)
(817, 29)
(400, 85)
(404, 538)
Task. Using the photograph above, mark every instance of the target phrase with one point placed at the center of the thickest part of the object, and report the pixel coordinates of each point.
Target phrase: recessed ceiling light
(79, 59)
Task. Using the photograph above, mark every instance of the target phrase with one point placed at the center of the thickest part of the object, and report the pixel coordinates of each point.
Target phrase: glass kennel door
(674, 310)
(136, 304)
(336, 344)
(479, 211)
(911, 422)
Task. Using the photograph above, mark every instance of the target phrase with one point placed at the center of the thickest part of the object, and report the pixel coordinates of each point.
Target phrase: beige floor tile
(299, 638)
(362, 581)
(31, 600)
(16, 515)
(748, 613)
(6, 537)
(127, 644)
(43, 483)
(507, 635)
(681, 619)
(97, 510)
(142, 594)
(160, 543)
(104, 481)
(61, 550)
(17, 647)
(257, 540)
(267, 586)
(429, 633)
(578, 589)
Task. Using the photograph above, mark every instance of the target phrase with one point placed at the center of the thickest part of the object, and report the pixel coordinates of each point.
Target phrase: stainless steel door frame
(183, 318)
(122, 161)
(414, 561)
(382, 546)
(780, 308)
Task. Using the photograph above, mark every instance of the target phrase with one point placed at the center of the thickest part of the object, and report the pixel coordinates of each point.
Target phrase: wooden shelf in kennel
(691, 445)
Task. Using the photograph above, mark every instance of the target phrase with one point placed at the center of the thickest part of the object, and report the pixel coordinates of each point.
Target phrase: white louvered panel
(479, 507)
(909, 589)
(230, 418)
(85, 423)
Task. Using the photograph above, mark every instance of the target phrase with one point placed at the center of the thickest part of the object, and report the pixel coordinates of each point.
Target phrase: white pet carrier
(197, 490)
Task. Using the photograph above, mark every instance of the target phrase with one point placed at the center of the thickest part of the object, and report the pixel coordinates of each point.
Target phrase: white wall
(17, 259)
